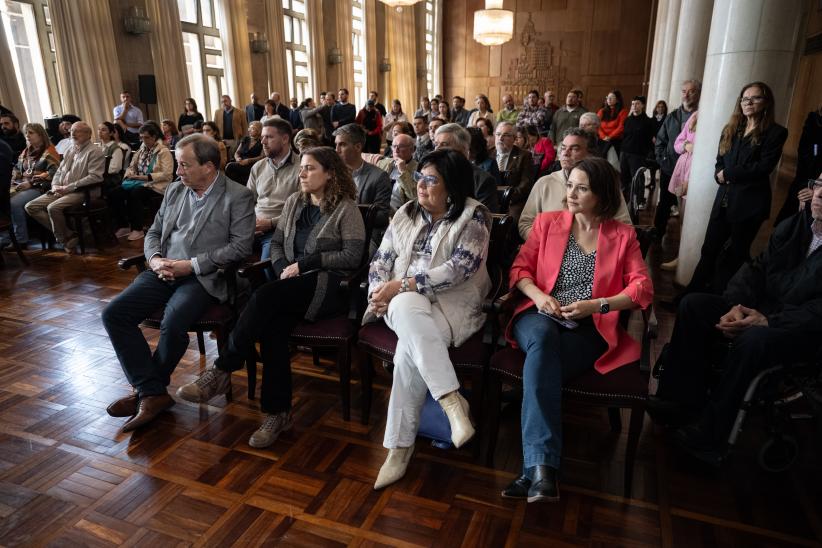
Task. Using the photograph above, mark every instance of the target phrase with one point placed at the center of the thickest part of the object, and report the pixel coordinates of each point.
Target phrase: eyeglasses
(505, 135)
(429, 180)
(398, 147)
(814, 184)
(751, 100)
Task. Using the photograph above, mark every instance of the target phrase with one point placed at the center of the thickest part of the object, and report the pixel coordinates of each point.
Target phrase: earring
(448, 200)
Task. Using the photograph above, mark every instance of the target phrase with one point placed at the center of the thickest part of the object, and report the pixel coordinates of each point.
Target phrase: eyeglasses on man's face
(814, 184)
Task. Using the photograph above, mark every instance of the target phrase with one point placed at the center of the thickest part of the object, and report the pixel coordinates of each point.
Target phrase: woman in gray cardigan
(318, 241)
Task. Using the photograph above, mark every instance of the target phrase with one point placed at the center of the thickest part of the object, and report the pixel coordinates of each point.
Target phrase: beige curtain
(402, 54)
(9, 90)
(372, 75)
(168, 56)
(316, 49)
(344, 30)
(232, 17)
(277, 68)
(87, 65)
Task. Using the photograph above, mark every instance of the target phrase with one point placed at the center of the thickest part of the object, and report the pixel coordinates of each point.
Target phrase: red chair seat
(216, 316)
(625, 383)
(325, 332)
(381, 341)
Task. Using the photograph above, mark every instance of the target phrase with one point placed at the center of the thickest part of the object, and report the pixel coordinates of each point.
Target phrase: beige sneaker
(456, 409)
(213, 382)
(394, 467)
(272, 427)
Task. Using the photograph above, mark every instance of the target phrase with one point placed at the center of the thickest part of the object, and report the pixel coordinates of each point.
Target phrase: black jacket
(638, 137)
(782, 283)
(747, 170)
(666, 156)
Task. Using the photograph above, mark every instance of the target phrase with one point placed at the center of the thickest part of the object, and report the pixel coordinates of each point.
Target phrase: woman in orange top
(582, 265)
(612, 119)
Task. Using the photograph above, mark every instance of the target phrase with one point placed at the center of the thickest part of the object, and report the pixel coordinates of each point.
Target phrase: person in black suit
(749, 150)
(808, 163)
(279, 107)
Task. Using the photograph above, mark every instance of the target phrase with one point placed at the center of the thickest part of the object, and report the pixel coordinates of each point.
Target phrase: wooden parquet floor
(68, 477)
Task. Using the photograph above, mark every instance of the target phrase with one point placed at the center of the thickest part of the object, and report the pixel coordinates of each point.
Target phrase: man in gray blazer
(205, 222)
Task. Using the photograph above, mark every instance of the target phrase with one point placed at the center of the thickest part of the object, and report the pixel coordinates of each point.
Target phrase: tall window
(203, 49)
(359, 48)
(429, 47)
(27, 25)
(296, 48)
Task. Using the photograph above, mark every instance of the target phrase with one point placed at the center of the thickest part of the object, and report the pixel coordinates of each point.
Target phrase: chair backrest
(645, 236)
(501, 239)
(369, 215)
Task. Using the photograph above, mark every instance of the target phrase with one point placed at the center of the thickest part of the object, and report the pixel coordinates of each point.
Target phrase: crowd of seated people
(290, 195)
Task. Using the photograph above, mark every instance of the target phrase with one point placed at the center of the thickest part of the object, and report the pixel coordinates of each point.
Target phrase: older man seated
(771, 312)
(82, 166)
(205, 223)
(548, 193)
(400, 168)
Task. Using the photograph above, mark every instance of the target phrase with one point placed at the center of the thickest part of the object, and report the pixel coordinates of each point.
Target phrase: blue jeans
(553, 354)
(18, 213)
(184, 301)
(264, 240)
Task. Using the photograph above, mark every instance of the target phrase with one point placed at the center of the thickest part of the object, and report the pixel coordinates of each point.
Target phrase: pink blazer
(619, 268)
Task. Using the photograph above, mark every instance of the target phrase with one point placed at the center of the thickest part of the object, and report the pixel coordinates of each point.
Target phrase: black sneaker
(544, 487)
(517, 489)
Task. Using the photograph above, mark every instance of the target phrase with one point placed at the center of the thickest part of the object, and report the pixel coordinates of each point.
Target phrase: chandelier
(493, 25)
(399, 3)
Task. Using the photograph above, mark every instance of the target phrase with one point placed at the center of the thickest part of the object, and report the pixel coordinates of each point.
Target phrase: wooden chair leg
(344, 363)
(78, 227)
(201, 343)
(494, 391)
(477, 395)
(17, 248)
(634, 431)
(366, 385)
(251, 373)
(615, 418)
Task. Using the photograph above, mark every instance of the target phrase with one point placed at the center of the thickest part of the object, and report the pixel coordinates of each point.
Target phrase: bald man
(508, 112)
(400, 167)
(82, 166)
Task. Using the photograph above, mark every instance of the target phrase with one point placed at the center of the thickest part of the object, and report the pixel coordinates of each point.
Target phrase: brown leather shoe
(148, 409)
(124, 407)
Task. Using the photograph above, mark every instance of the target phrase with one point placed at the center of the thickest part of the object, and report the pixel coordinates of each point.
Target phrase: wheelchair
(776, 390)
(642, 191)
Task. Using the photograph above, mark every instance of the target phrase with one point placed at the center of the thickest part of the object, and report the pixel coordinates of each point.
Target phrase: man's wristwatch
(604, 307)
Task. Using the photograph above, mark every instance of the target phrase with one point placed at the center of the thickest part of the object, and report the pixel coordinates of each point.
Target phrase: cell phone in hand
(570, 324)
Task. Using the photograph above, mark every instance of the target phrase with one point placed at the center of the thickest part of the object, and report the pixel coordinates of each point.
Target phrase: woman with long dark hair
(189, 117)
(612, 119)
(749, 149)
(318, 242)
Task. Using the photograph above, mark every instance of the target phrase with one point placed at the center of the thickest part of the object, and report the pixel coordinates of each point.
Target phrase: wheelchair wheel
(636, 198)
(778, 453)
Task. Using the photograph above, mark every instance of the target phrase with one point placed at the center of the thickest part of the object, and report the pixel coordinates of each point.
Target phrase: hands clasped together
(740, 318)
(574, 311)
(170, 269)
(382, 295)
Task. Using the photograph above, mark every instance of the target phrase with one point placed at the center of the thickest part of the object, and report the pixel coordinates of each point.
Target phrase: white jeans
(421, 363)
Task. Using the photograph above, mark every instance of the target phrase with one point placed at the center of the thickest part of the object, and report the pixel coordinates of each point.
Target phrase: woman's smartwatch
(604, 307)
(404, 285)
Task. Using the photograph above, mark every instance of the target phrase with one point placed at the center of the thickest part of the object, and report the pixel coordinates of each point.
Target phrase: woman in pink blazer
(580, 266)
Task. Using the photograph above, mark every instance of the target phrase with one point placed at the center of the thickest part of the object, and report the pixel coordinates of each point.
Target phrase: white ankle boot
(394, 467)
(456, 409)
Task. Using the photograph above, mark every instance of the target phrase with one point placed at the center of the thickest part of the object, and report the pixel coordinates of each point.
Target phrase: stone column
(750, 40)
(656, 59)
(691, 44)
(668, 47)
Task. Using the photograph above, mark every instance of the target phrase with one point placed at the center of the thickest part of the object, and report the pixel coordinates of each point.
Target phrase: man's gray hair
(353, 133)
(461, 136)
(205, 148)
(590, 116)
(694, 82)
(590, 138)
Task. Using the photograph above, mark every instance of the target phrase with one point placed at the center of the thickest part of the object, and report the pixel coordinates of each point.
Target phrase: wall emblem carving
(538, 64)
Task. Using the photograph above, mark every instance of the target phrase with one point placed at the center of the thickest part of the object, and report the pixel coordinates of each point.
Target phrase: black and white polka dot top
(575, 281)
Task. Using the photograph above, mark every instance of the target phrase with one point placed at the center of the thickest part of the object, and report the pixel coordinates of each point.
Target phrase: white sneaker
(122, 233)
(270, 430)
(213, 382)
(135, 235)
(394, 467)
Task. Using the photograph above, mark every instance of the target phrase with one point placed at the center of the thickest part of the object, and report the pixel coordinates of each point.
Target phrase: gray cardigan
(335, 245)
